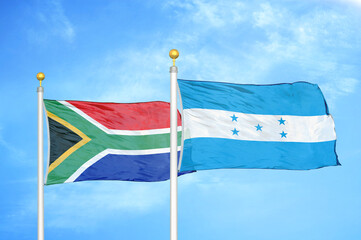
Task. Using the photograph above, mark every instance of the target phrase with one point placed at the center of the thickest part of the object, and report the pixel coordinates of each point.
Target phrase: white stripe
(116, 132)
(102, 154)
(200, 123)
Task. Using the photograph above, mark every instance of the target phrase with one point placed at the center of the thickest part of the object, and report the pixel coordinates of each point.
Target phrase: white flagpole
(40, 76)
(173, 148)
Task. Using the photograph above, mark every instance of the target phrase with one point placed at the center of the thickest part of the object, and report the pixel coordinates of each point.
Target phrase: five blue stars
(282, 121)
(259, 128)
(283, 134)
(234, 118)
(235, 132)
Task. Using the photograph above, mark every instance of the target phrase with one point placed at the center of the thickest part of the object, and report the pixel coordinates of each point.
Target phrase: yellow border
(66, 154)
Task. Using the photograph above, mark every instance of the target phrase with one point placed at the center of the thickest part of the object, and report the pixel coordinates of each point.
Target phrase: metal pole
(173, 149)
(40, 90)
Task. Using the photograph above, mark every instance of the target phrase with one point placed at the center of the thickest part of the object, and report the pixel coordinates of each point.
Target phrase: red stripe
(128, 116)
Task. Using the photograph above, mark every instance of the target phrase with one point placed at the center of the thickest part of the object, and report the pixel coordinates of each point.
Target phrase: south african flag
(108, 141)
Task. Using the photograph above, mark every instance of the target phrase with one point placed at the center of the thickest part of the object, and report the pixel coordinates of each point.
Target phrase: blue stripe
(299, 99)
(214, 153)
(139, 168)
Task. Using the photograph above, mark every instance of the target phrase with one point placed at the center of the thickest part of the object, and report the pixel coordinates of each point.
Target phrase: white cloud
(309, 42)
(134, 75)
(211, 13)
(348, 85)
(352, 2)
(278, 45)
(53, 22)
(338, 87)
(13, 152)
(267, 16)
(128, 75)
(83, 205)
(312, 44)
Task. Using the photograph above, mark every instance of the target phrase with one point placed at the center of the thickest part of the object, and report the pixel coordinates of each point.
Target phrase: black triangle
(61, 139)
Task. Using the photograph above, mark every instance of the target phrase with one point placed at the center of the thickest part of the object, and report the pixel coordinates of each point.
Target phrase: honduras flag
(281, 126)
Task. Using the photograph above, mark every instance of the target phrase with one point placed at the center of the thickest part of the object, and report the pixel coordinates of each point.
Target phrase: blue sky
(118, 51)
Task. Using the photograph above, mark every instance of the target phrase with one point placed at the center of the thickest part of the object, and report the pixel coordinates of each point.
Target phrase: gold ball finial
(173, 54)
(40, 76)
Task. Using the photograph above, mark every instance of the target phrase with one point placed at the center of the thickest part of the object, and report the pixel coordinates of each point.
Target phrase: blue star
(283, 134)
(235, 132)
(234, 118)
(282, 121)
(259, 127)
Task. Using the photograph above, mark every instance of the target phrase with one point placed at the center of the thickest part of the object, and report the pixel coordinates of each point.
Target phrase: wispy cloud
(52, 22)
(138, 74)
(132, 75)
(308, 44)
(13, 152)
(234, 42)
(71, 205)
(339, 87)
(267, 16)
(356, 3)
(83, 206)
(210, 13)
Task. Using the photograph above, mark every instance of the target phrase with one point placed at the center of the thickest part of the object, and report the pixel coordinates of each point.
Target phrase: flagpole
(173, 148)
(40, 76)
